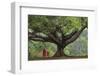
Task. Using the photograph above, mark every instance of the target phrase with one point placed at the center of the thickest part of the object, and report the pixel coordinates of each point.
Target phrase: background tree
(60, 30)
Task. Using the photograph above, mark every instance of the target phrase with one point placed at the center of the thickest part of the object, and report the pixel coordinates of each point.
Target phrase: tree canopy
(61, 24)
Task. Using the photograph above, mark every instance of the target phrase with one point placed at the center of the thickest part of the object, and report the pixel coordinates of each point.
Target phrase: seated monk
(45, 52)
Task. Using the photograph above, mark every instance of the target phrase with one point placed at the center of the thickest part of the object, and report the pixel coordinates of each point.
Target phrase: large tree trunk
(59, 52)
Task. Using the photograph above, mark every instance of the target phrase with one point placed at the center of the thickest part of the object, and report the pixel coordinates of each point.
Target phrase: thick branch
(74, 37)
(69, 35)
(53, 38)
(35, 37)
(76, 31)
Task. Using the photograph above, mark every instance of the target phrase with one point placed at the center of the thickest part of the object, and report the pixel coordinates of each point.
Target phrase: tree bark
(59, 52)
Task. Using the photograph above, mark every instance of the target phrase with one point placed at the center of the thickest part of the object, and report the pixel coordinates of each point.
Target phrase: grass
(57, 58)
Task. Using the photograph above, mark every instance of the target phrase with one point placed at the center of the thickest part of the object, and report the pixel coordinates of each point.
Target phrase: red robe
(45, 53)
